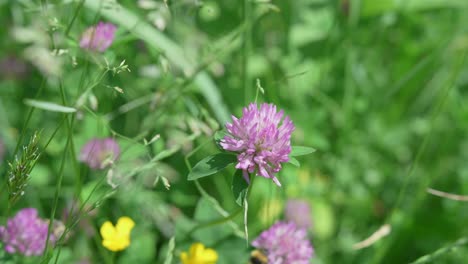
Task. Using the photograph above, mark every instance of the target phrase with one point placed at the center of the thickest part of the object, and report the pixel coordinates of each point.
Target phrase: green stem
(216, 222)
(71, 222)
(227, 218)
(431, 258)
(75, 15)
(28, 118)
(246, 50)
(422, 187)
(46, 255)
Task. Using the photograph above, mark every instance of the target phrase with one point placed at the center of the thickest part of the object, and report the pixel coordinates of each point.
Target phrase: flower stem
(224, 219)
(216, 222)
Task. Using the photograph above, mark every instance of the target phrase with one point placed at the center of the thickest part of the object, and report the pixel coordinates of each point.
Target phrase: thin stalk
(28, 118)
(72, 144)
(70, 223)
(421, 190)
(246, 47)
(57, 192)
(128, 19)
(226, 216)
(432, 257)
(75, 15)
(216, 222)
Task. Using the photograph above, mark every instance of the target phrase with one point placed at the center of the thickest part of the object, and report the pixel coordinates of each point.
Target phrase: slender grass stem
(432, 257)
(421, 190)
(75, 15)
(127, 19)
(216, 222)
(76, 167)
(246, 48)
(46, 254)
(28, 118)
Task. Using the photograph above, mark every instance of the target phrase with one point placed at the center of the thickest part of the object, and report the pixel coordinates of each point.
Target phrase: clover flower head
(298, 211)
(99, 37)
(26, 233)
(117, 238)
(262, 139)
(100, 153)
(198, 254)
(285, 243)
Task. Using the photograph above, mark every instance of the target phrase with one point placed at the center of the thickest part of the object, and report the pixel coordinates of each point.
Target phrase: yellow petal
(110, 245)
(124, 225)
(116, 244)
(196, 250)
(209, 256)
(107, 230)
(184, 258)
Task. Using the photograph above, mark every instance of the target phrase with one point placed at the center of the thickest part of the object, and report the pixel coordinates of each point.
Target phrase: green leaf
(49, 106)
(220, 134)
(211, 165)
(300, 151)
(239, 187)
(294, 161)
(170, 251)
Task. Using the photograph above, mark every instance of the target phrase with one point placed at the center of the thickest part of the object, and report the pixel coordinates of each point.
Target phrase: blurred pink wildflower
(285, 243)
(2, 150)
(99, 37)
(100, 153)
(262, 143)
(298, 211)
(26, 233)
(12, 67)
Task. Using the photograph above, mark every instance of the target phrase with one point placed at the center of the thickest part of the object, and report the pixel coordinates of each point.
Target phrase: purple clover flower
(26, 233)
(262, 143)
(99, 37)
(100, 153)
(2, 150)
(285, 243)
(298, 211)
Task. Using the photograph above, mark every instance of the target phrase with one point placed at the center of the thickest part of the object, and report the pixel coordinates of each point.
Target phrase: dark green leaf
(239, 187)
(218, 136)
(294, 161)
(211, 165)
(300, 151)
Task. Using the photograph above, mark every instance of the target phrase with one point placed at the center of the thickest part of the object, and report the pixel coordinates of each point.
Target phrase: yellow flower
(198, 254)
(117, 238)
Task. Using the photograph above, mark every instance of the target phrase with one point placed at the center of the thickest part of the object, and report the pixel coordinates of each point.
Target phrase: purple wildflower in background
(100, 153)
(2, 150)
(298, 211)
(99, 37)
(262, 143)
(26, 233)
(12, 67)
(285, 243)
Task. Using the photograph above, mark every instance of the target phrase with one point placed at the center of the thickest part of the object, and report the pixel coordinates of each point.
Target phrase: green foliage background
(379, 88)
